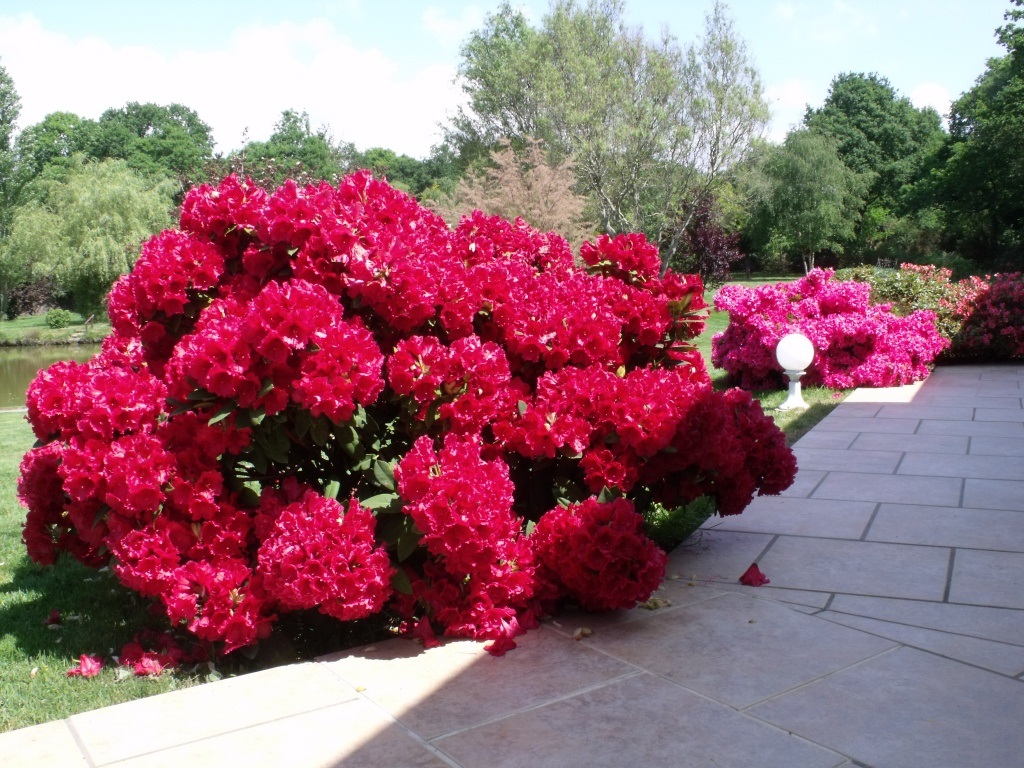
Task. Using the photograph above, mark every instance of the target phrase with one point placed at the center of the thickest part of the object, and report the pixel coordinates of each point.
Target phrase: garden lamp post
(794, 353)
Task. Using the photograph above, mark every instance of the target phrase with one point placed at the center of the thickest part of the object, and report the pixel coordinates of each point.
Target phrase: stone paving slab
(971, 428)
(856, 567)
(952, 444)
(460, 685)
(192, 714)
(48, 744)
(973, 466)
(354, 734)
(948, 527)
(832, 459)
(807, 517)
(910, 709)
(718, 647)
(642, 720)
(994, 494)
(997, 446)
(988, 578)
(872, 486)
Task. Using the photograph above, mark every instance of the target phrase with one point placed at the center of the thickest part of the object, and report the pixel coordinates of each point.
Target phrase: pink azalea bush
(324, 399)
(856, 343)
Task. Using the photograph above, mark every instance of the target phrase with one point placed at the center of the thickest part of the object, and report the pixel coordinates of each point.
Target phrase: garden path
(891, 634)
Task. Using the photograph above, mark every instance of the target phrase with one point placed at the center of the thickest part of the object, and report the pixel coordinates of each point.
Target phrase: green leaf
(408, 542)
(223, 413)
(400, 582)
(332, 489)
(391, 528)
(302, 423)
(348, 438)
(320, 430)
(268, 385)
(607, 495)
(384, 474)
(521, 405)
(530, 525)
(382, 501)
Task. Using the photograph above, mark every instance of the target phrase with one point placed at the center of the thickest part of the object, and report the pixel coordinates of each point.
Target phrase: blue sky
(380, 72)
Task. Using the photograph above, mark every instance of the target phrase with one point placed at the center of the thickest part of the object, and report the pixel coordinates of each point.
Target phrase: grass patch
(33, 330)
(34, 658)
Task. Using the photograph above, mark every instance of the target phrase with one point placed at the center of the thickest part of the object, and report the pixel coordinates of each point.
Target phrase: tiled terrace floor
(892, 634)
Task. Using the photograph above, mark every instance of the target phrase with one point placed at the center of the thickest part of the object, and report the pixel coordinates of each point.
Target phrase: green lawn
(100, 616)
(34, 330)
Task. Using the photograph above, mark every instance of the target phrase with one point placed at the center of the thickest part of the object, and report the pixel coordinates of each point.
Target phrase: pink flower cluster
(325, 399)
(856, 343)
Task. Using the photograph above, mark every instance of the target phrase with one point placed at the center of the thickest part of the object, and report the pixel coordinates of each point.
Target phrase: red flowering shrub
(598, 554)
(324, 399)
(993, 326)
(856, 343)
(982, 317)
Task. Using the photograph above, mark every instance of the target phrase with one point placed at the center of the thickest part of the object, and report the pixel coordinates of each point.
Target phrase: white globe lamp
(794, 353)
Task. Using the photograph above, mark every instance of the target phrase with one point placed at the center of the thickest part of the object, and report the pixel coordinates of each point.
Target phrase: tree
(10, 110)
(706, 249)
(877, 132)
(293, 151)
(401, 171)
(86, 230)
(979, 179)
(811, 200)
(55, 139)
(526, 185)
(153, 139)
(649, 125)
(11, 270)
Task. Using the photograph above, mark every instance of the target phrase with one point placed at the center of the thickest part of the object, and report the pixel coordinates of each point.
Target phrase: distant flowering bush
(324, 399)
(856, 343)
(994, 327)
(982, 317)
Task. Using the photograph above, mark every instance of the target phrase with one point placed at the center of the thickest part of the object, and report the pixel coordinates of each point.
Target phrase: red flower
(89, 665)
(53, 618)
(752, 577)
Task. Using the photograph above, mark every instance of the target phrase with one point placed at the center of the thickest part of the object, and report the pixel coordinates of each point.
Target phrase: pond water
(19, 365)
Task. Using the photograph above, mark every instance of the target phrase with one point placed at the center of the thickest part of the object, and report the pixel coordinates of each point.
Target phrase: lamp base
(794, 399)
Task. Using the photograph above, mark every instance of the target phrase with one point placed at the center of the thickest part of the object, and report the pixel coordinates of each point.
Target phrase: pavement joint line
(897, 645)
(871, 521)
(949, 574)
(896, 469)
(921, 626)
(767, 546)
(77, 738)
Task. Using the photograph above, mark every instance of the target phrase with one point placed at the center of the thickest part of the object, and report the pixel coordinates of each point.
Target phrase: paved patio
(892, 634)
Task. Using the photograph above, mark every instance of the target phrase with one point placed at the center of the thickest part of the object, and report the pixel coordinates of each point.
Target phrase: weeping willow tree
(83, 226)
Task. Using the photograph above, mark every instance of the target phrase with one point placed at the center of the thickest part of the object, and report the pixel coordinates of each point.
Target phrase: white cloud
(785, 10)
(358, 92)
(788, 102)
(932, 95)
